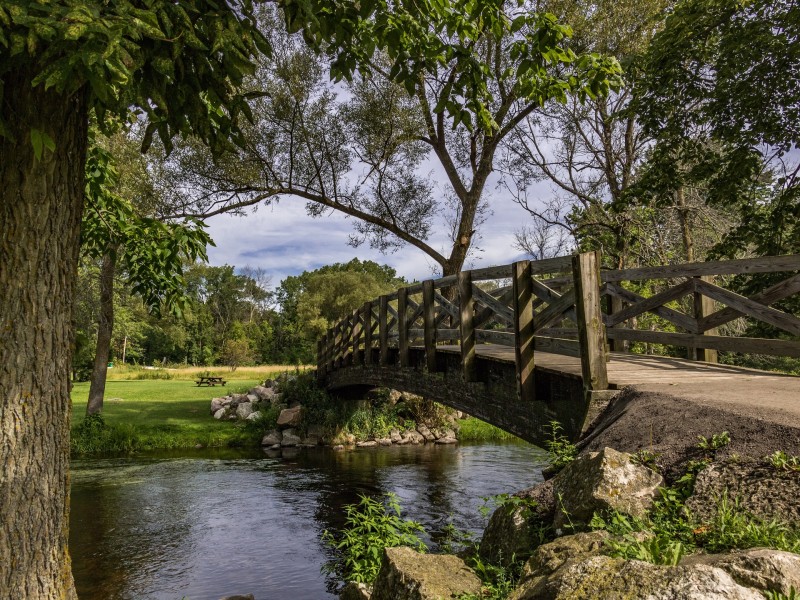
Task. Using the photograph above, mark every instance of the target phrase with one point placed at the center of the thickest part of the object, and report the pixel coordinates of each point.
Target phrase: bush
(371, 526)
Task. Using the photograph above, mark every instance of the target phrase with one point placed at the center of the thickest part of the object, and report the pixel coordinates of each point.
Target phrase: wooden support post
(524, 342)
(591, 331)
(347, 340)
(615, 306)
(357, 330)
(402, 325)
(703, 306)
(337, 345)
(329, 341)
(429, 324)
(467, 314)
(367, 313)
(383, 330)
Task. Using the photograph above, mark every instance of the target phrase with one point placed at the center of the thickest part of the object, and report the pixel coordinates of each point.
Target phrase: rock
(395, 436)
(425, 433)
(512, 533)
(355, 591)
(367, 444)
(269, 384)
(244, 410)
(290, 417)
(408, 575)
(237, 399)
(761, 568)
(394, 397)
(219, 414)
(760, 490)
(198, 446)
(447, 440)
(337, 447)
(317, 430)
(216, 404)
(271, 438)
(289, 438)
(384, 441)
(413, 437)
(262, 393)
(605, 480)
(256, 414)
(311, 440)
(239, 597)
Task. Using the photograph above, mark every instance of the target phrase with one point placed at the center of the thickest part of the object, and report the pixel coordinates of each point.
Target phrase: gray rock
(220, 414)
(511, 534)
(605, 578)
(384, 441)
(760, 568)
(290, 417)
(759, 489)
(395, 436)
(394, 397)
(256, 414)
(413, 437)
(290, 438)
(447, 440)
(355, 591)
(244, 410)
(264, 394)
(425, 433)
(408, 575)
(271, 438)
(216, 404)
(317, 430)
(367, 444)
(237, 399)
(311, 440)
(252, 398)
(605, 480)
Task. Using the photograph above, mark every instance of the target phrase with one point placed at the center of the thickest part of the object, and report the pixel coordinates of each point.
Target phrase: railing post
(357, 330)
(367, 312)
(347, 337)
(615, 306)
(337, 345)
(703, 306)
(524, 342)
(429, 324)
(466, 323)
(383, 330)
(320, 359)
(591, 331)
(402, 325)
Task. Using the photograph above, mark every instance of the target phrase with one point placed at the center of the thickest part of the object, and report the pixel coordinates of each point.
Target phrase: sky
(284, 240)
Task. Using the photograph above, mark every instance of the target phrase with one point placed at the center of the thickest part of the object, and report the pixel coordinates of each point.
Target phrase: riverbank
(162, 409)
(699, 503)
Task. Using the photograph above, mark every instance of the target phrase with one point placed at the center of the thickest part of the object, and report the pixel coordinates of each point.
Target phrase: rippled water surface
(209, 524)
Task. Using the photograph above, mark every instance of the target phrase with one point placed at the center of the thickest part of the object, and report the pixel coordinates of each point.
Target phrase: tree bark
(40, 214)
(105, 327)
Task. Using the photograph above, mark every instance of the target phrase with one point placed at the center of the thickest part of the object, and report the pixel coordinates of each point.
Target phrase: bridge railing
(696, 307)
(550, 305)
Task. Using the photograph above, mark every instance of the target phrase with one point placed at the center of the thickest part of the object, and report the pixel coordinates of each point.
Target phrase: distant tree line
(232, 317)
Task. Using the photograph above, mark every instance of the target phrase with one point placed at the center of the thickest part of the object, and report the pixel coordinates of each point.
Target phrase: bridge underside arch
(493, 399)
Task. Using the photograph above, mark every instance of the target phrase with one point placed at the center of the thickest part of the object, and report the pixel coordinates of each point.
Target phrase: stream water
(206, 524)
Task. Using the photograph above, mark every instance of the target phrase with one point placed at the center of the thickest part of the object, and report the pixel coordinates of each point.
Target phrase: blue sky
(283, 240)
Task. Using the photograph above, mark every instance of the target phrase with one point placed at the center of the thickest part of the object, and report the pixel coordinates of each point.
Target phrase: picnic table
(209, 381)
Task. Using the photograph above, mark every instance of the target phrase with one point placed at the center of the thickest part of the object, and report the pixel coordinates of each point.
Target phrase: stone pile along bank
(292, 429)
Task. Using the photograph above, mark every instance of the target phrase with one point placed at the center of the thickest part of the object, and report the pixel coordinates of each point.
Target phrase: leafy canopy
(179, 61)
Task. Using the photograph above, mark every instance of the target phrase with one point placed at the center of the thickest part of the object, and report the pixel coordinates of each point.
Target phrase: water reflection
(216, 523)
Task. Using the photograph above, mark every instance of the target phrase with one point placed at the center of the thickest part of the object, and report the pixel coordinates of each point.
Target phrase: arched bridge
(524, 344)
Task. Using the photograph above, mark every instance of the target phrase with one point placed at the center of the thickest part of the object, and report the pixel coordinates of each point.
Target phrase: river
(205, 524)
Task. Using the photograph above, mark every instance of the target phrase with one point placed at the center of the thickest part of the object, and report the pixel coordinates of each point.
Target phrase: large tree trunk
(40, 214)
(105, 327)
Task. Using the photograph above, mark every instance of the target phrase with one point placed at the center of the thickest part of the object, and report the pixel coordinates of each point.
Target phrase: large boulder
(217, 403)
(412, 437)
(290, 417)
(606, 578)
(220, 414)
(509, 535)
(759, 489)
(605, 480)
(761, 568)
(408, 575)
(264, 394)
(254, 416)
(426, 433)
(237, 399)
(244, 410)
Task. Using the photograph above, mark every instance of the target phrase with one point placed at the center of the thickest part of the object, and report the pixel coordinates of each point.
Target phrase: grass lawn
(150, 414)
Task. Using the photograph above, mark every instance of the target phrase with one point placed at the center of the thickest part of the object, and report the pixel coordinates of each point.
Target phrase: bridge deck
(777, 395)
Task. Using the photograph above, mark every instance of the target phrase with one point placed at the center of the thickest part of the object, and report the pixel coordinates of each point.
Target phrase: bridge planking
(546, 335)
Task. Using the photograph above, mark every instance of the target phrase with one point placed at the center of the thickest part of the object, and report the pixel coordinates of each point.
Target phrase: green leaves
(41, 141)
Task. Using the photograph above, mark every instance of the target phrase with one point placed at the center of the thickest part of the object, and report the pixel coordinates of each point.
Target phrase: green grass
(475, 430)
(157, 414)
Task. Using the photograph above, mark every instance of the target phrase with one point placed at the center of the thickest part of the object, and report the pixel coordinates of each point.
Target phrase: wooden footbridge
(528, 343)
